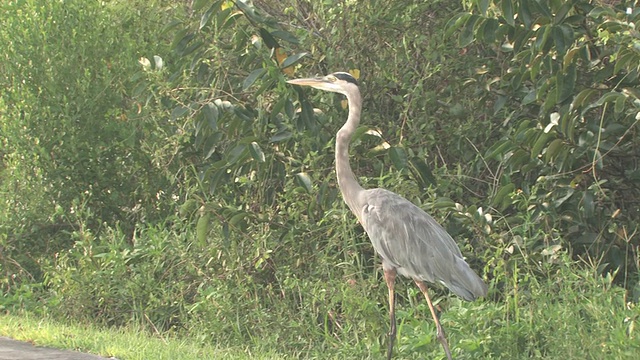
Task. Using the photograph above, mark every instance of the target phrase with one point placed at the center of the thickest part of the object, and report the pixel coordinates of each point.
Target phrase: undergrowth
(337, 311)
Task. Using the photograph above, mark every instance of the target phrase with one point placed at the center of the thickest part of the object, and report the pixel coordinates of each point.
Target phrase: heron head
(340, 82)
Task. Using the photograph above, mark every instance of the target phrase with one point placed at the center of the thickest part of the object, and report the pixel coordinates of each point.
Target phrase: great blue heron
(408, 240)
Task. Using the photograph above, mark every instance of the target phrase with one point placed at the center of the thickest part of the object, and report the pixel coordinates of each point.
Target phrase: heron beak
(319, 83)
(307, 82)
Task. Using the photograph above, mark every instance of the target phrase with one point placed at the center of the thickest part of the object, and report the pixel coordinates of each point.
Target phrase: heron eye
(332, 78)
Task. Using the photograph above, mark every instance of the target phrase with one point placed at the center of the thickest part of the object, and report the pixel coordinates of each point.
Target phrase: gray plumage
(409, 241)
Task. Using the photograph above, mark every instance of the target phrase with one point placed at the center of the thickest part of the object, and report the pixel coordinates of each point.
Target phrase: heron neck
(347, 182)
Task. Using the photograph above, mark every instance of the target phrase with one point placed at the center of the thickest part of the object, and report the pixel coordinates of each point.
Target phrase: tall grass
(171, 288)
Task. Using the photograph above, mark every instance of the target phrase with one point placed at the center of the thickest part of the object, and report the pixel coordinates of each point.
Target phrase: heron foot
(392, 338)
(443, 340)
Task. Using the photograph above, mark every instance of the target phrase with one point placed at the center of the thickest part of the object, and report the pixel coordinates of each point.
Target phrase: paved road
(18, 350)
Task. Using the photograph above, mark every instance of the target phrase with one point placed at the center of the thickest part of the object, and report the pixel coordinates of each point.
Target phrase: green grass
(571, 313)
(129, 344)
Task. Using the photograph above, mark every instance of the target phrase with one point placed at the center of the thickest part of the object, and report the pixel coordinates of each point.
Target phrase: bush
(71, 143)
(564, 82)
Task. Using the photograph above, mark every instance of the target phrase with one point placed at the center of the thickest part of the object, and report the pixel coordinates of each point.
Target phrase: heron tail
(465, 283)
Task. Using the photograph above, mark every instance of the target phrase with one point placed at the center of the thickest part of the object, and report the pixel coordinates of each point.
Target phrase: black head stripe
(346, 77)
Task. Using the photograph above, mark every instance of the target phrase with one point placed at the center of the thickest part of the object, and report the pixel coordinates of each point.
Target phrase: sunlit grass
(124, 344)
(574, 314)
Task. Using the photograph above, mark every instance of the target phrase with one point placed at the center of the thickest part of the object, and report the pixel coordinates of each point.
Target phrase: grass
(572, 313)
(129, 344)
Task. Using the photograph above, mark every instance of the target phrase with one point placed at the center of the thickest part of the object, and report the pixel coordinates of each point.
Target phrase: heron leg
(440, 334)
(390, 278)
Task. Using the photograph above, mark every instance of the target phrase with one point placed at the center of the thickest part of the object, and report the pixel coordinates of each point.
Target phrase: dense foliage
(563, 80)
(72, 162)
(157, 170)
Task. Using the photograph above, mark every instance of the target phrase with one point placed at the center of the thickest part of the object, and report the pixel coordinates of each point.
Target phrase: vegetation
(158, 174)
(122, 343)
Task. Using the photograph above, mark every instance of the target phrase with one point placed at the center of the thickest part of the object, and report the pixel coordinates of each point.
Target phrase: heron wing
(412, 242)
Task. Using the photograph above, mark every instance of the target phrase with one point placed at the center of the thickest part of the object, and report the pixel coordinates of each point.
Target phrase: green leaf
(582, 97)
(524, 13)
(202, 228)
(268, 39)
(566, 83)
(293, 59)
(498, 149)
(178, 112)
(235, 154)
(501, 200)
(306, 117)
(623, 58)
(487, 31)
(277, 108)
(286, 36)
(444, 203)
(563, 37)
(507, 12)
(575, 19)
(558, 39)
(619, 104)
(569, 56)
(564, 193)
(199, 4)
(244, 113)
(456, 22)
(206, 17)
(235, 219)
(289, 109)
(552, 150)
(225, 231)
(180, 45)
(362, 130)
(466, 36)
(483, 5)
(588, 204)
(611, 96)
(256, 152)
(567, 125)
(253, 76)
(177, 38)
(542, 37)
(522, 39)
(303, 179)
(398, 157)
(170, 26)
(530, 97)
(551, 100)
(562, 12)
(191, 48)
(281, 136)
(516, 80)
(499, 104)
(602, 10)
(518, 159)
(211, 113)
(227, 18)
(211, 144)
(541, 8)
(542, 140)
(249, 11)
(422, 172)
